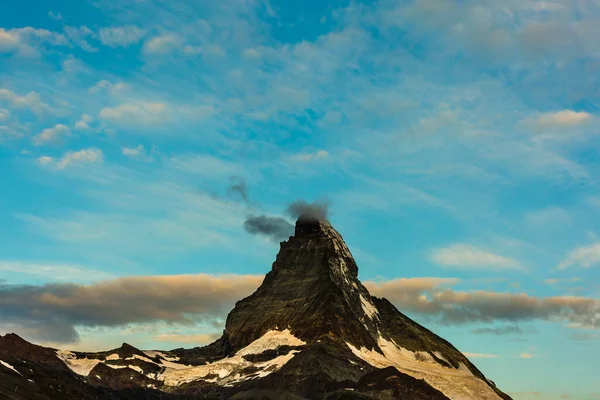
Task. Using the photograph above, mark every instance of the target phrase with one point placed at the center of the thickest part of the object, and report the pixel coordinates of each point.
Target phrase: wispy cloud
(584, 257)
(465, 256)
(121, 36)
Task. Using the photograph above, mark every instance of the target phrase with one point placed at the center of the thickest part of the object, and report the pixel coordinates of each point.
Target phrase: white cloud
(138, 153)
(4, 114)
(555, 281)
(465, 256)
(79, 37)
(564, 118)
(162, 44)
(585, 256)
(24, 41)
(121, 36)
(74, 65)
(109, 87)
(45, 160)
(54, 272)
(525, 356)
(51, 134)
(8, 40)
(31, 100)
(141, 113)
(320, 154)
(90, 155)
(83, 123)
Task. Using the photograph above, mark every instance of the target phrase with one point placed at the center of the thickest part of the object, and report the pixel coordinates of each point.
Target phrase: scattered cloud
(79, 36)
(54, 272)
(564, 118)
(139, 153)
(556, 281)
(4, 114)
(31, 101)
(306, 157)
(526, 356)
(121, 36)
(162, 44)
(500, 331)
(83, 123)
(90, 155)
(465, 256)
(108, 87)
(584, 257)
(51, 135)
(136, 114)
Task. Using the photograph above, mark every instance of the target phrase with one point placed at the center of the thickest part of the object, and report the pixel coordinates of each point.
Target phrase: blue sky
(453, 140)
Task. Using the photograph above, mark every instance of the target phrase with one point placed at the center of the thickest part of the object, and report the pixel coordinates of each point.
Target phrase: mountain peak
(306, 225)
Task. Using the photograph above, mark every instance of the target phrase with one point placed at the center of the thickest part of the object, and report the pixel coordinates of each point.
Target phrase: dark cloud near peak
(238, 185)
(277, 229)
(309, 211)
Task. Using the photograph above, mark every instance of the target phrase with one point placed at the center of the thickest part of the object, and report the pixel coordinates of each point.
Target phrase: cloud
(108, 87)
(79, 37)
(90, 155)
(121, 36)
(162, 44)
(465, 256)
(49, 135)
(311, 211)
(238, 185)
(83, 123)
(138, 152)
(4, 114)
(500, 331)
(54, 272)
(51, 312)
(306, 157)
(277, 229)
(431, 297)
(526, 356)
(136, 114)
(564, 118)
(26, 41)
(479, 355)
(585, 257)
(555, 281)
(32, 101)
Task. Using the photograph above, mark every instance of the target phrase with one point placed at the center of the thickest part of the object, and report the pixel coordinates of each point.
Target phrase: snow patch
(456, 384)
(368, 307)
(228, 371)
(7, 365)
(81, 366)
(270, 341)
(114, 356)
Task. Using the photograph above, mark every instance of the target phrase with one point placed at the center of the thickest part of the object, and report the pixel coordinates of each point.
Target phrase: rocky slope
(310, 331)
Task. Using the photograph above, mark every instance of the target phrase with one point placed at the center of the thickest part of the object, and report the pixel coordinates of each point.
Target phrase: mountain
(310, 331)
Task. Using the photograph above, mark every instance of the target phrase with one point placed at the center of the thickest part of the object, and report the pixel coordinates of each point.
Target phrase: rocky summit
(310, 331)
